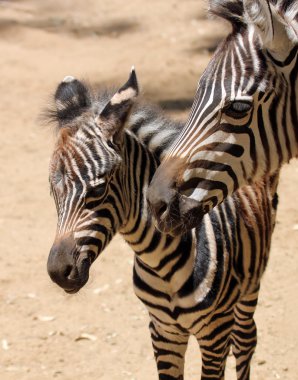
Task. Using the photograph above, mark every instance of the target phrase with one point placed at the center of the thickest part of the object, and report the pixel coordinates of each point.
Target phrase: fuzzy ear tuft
(271, 25)
(230, 10)
(290, 11)
(72, 98)
(115, 113)
(259, 15)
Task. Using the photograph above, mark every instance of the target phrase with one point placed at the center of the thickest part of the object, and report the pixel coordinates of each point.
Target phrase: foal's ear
(116, 112)
(72, 98)
(275, 30)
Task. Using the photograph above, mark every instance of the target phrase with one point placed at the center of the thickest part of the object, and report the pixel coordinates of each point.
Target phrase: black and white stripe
(204, 282)
(244, 120)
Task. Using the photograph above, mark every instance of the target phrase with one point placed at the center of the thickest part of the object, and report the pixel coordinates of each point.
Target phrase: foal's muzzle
(66, 267)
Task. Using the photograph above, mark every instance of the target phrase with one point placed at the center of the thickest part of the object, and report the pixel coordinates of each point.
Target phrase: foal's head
(85, 176)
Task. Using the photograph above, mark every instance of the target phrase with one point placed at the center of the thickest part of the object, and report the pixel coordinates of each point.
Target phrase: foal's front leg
(215, 340)
(169, 350)
(244, 335)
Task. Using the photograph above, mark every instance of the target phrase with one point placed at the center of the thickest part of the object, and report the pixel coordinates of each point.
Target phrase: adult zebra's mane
(233, 11)
(230, 10)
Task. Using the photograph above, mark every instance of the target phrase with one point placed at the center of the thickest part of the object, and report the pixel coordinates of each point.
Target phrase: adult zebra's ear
(276, 28)
(72, 98)
(113, 117)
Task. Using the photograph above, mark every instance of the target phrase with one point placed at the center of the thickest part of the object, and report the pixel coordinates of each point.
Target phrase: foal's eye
(96, 192)
(110, 144)
(238, 108)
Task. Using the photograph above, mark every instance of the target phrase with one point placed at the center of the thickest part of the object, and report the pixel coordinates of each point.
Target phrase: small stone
(31, 295)
(85, 336)
(45, 318)
(5, 345)
(111, 335)
(101, 289)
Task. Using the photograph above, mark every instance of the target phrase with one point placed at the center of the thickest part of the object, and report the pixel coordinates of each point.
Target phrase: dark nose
(164, 205)
(159, 208)
(62, 266)
(162, 195)
(160, 200)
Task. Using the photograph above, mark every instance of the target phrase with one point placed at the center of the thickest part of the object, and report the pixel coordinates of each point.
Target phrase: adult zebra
(243, 123)
(204, 282)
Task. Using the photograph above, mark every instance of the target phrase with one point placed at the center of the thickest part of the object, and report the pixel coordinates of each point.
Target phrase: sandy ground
(102, 332)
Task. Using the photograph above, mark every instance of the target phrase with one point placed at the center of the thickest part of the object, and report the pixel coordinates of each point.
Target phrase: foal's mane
(70, 112)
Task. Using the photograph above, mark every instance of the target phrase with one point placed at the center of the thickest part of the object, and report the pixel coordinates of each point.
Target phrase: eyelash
(238, 109)
(110, 144)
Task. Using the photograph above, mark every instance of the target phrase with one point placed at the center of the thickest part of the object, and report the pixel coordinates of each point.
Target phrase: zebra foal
(204, 282)
(244, 119)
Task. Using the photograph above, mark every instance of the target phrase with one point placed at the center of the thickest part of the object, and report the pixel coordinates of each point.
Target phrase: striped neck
(138, 229)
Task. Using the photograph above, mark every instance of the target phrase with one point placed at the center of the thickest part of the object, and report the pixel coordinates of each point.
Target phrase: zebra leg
(169, 350)
(244, 335)
(215, 346)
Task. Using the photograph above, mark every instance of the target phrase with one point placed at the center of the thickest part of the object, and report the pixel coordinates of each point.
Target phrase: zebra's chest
(181, 301)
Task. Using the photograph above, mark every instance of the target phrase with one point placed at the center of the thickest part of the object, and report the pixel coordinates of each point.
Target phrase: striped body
(204, 282)
(244, 120)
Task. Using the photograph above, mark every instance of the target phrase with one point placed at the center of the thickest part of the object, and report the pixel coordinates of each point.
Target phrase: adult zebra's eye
(238, 108)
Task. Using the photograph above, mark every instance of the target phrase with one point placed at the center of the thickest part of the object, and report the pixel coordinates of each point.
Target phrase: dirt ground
(102, 333)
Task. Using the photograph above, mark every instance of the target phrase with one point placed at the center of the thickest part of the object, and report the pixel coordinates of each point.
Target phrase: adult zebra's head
(85, 177)
(243, 123)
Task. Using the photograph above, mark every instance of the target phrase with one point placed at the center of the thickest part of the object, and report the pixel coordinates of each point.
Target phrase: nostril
(163, 208)
(67, 271)
(160, 209)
